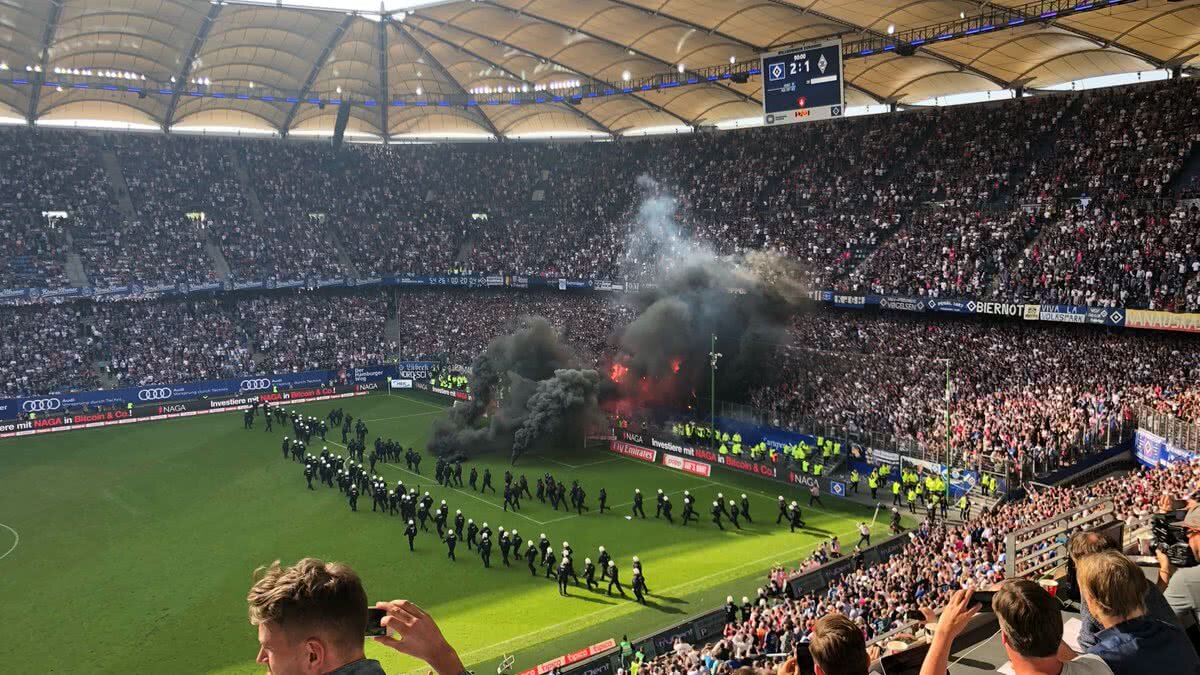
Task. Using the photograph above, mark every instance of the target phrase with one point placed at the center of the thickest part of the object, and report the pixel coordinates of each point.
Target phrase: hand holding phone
(375, 616)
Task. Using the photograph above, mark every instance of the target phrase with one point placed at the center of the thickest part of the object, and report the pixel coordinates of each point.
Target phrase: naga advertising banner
(67, 421)
(38, 406)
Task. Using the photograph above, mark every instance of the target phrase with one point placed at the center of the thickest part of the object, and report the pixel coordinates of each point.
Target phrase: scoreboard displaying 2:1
(803, 84)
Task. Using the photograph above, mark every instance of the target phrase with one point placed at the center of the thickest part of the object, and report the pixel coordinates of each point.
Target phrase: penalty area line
(16, 540)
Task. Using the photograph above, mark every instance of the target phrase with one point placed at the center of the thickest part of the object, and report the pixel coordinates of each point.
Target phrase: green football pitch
(132, 547)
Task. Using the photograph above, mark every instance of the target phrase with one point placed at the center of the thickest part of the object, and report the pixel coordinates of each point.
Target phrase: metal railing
(1177, 432)
(1039, 549)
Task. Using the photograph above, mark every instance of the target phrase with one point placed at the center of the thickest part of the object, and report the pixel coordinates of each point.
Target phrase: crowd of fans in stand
(937, 560)
(1022, 394)
(921, 202)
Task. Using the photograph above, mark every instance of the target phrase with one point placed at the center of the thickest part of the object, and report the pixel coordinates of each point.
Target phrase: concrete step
(220, 265)
(75, 272)
(112, 167)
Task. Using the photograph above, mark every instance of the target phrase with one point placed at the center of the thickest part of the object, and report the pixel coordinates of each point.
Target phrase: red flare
(617, 372)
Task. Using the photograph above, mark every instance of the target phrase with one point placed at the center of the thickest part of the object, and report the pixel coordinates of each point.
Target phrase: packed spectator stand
(989, 199)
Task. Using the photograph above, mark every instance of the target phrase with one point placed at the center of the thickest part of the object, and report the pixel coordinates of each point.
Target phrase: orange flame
(617, 372)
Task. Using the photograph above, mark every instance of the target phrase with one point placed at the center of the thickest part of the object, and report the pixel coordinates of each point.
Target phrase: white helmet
(745, 599)
(458, 512)
(410, 522)
(485, 524)
(470, 520)
(612, 563)
(601, 549)
(637, 491)
(587, 561)
(793, 503)
(426, 493)
(530, 544)
(635, 558)
(566, 560)
(542, 535)
(660, 491)
(443, 502)
(566, 545)
(666, 498)
(729, 599)
(743, 495)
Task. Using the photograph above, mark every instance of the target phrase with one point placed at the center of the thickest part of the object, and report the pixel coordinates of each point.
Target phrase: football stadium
(600, 337)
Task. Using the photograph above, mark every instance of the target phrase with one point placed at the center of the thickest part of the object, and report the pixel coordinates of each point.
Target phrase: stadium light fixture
(891, 29)
(680, 67)
(3, 65)
(420, 91)
(732, 60)
(625, 76)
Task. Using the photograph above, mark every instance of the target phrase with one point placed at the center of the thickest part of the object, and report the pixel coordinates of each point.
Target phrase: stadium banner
(633, 451)
(1099, 316)
(903, 304)
(1143, 318)
(416, 370)
(1154, 451)
(38, 406)
(687, 465)
(397, 383)
(559, 663)
(162, 411)
(961, 481)
(638, 445)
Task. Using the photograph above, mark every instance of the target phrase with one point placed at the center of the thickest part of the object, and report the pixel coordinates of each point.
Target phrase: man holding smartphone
(312, 618)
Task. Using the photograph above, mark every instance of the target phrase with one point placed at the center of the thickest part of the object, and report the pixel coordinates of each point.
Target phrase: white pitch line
(16, 540)
(468, 494)
(618, 506)
(579, 466)
(468, 656)
(418, 401)
(400, 417)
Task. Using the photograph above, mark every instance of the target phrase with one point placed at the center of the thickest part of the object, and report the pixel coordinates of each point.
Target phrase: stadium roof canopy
(410, 67)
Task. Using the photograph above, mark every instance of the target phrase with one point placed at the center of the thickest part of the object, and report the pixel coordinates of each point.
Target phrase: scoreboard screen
(803, 84)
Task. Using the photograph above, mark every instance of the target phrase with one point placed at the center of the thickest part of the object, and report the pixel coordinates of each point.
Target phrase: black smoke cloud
(745, 300)
(544, 396)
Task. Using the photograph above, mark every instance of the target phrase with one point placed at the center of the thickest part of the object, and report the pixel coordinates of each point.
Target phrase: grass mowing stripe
(717, 576)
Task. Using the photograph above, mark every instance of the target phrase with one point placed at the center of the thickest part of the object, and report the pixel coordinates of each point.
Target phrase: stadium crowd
(937, 560)
(1023, 394)
(1044, 198)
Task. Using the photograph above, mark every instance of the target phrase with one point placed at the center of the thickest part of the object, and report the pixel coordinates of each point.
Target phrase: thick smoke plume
(529, 389)
(544, 396)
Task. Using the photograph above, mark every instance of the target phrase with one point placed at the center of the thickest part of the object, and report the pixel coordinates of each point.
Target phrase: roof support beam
(482, 59)
(437, 65)
(43, 59)
(1091, 37)
(185, 71)
(618, 45)
(680, 20)
(384, 98)
(523, 50)
(316, 69)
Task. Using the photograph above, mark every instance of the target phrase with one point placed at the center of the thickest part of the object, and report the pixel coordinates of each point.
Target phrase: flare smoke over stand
(660, 359)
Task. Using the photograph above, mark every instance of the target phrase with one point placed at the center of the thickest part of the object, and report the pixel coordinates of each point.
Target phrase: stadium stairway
(1189, 173)
(116, 179)
(75, 271)
(248, 192)
(344, 260)
(219, 263)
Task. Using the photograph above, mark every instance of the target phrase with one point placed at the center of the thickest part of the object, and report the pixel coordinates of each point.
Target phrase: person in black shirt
(458, 522)
(562, 578)
(411, 532)
(589, 574)
(473, 479)
(637, 503)
(746, 509)
(472, 531)
(638, 587)
(716, 514)
(530, 556)
(451, 542)
(485, 551)
(603, 497)
(614, 578)
(487, 481)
